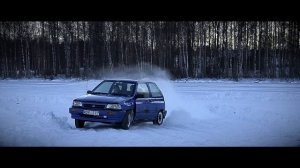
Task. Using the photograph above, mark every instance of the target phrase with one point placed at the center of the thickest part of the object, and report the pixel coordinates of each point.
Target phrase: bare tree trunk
(77, 63)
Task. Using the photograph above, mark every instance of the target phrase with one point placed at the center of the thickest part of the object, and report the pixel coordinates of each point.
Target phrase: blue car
(120, 102)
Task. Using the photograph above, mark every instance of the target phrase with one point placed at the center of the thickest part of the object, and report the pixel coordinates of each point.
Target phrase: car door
(156, 102)
(142, 102)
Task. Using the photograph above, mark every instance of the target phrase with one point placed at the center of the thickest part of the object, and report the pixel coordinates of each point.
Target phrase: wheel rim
(129, 120)
(159, 118)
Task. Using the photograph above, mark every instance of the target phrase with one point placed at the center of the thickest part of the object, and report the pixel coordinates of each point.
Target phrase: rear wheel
(127, 120)
(79, 123)
(159, 119)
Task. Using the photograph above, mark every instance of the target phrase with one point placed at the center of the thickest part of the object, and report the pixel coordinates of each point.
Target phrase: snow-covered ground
(200, 113)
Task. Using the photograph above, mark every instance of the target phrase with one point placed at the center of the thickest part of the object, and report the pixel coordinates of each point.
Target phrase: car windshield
(115, 88)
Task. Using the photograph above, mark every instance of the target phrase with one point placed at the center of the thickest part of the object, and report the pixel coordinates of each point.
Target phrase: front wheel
(159, 119)
(79, 123)
(127, 120)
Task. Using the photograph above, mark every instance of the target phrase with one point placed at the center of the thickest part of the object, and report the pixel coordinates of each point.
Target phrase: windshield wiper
(98, 93)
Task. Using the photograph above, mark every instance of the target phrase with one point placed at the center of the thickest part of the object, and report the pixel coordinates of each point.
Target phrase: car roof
(128, 80)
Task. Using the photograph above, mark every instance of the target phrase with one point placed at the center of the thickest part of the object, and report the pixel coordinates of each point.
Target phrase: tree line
(187, 49)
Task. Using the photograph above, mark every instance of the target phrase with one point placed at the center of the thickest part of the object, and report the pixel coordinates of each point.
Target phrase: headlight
(77, 103)
(113, 106)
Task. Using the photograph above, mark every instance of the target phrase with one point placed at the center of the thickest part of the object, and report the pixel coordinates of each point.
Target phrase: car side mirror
(89, 92)
(139, 95)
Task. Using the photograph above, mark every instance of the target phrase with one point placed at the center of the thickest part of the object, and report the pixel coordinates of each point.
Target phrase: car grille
(93, 106)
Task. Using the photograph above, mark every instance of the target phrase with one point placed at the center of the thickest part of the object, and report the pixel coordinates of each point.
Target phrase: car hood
(102, 98)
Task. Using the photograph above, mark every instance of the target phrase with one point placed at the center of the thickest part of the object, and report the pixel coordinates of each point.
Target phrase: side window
(143, 90)
(155, 90)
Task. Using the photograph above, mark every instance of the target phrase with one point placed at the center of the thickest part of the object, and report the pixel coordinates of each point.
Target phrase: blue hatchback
(121, 102)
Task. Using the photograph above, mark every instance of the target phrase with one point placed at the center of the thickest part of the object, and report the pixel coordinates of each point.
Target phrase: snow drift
(200, 113)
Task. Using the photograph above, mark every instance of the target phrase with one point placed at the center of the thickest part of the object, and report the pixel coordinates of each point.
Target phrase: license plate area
(91, 112)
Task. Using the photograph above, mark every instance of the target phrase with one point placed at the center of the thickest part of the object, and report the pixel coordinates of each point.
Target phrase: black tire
(79, 123)
(159, 118)
(127, 121)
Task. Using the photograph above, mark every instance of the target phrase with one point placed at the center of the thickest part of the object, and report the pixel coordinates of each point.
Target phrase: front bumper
(105, 116)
